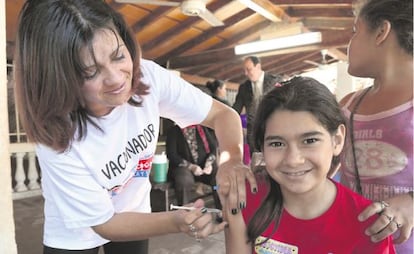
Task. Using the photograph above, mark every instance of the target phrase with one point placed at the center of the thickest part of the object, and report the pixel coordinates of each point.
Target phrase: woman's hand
(231, 183)
(196, 170)
(199, 223)
(208, 169)
(396, 214)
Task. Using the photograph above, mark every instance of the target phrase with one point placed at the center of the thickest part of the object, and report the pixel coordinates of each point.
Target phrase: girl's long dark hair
(50, 71)
(298, 94)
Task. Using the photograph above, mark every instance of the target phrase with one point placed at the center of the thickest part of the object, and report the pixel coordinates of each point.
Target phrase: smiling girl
(300, 130)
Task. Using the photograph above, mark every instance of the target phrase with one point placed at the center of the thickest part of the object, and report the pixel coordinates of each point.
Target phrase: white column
(20, 175)
(7, 239)
(32, 174)
(345, 82)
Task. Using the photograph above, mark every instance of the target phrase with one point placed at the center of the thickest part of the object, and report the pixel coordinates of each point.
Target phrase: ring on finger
(192, 228)
(389, 217)
(196, 236)
(397, 224)
(383, 205)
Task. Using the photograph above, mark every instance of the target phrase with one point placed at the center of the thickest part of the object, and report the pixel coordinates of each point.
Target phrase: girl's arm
(235, 233)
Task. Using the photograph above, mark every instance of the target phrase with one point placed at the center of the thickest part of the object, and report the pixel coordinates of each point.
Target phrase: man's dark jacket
(244, 98)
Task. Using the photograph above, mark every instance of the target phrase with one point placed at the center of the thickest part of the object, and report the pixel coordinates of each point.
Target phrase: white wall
(335, 76)
(7, 236)
(344, 82)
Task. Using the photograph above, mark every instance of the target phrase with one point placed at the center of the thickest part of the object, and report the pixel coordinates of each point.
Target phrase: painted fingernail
(254, 190)
(242, 205)
(204, 210)
(234, 211)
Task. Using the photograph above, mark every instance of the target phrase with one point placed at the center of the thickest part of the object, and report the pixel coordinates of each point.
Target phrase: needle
(209, 210)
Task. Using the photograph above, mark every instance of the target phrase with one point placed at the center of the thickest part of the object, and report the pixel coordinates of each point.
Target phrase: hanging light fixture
(278, 43)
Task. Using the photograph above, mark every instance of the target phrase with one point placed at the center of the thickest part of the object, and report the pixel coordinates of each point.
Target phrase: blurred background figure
(258, 83)
(218, 90)
(246, 147)
(192, 155)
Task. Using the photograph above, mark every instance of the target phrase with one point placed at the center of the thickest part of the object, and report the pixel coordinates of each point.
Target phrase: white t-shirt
(108, 172)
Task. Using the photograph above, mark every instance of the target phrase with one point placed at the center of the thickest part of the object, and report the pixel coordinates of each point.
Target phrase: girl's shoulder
(346, 99)
(351, 199)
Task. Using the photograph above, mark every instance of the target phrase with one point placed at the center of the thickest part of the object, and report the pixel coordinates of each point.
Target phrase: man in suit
(250, 91)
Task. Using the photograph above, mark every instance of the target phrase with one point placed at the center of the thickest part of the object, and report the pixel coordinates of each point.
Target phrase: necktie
(257, 92)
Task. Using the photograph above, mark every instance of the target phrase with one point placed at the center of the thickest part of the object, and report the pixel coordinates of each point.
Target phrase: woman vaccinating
(92, 106)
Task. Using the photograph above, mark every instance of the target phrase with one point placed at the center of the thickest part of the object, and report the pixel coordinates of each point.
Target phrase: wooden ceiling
(201, 51)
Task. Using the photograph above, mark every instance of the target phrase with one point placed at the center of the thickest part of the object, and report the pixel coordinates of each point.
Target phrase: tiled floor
(29, 222)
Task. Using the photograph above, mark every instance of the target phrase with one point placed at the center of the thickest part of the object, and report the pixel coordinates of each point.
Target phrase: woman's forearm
(130, 226)
(227, 127)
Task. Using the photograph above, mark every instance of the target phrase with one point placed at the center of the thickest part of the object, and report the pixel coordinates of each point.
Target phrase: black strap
(351, 126)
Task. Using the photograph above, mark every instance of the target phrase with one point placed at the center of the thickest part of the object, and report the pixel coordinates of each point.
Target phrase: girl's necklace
(351, 128)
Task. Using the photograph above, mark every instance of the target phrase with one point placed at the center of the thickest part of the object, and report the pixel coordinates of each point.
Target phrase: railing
(26, 173)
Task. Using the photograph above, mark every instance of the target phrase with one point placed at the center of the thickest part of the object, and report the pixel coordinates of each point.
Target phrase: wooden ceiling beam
(200, 80)
(228, 70)
(116, 6)
(255, 29)
(214, 31)
(268, 64)
(307, 2)
(150, 18)
(187, 36)
(236, 71)
(212, 70)
(330, 39)
(184, 25)
(217, 68)
(322, 11)
(267, 9)
(284, 67)
(328, 23)
(225, 44)
(337, 54)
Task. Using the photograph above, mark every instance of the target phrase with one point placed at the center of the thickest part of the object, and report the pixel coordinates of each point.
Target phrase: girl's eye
(275, 144)
(310, 140)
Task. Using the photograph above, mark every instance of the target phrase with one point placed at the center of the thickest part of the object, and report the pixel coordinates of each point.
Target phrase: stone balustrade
(26, 173)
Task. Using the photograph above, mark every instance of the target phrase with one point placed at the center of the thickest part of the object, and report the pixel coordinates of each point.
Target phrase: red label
(144, 164)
